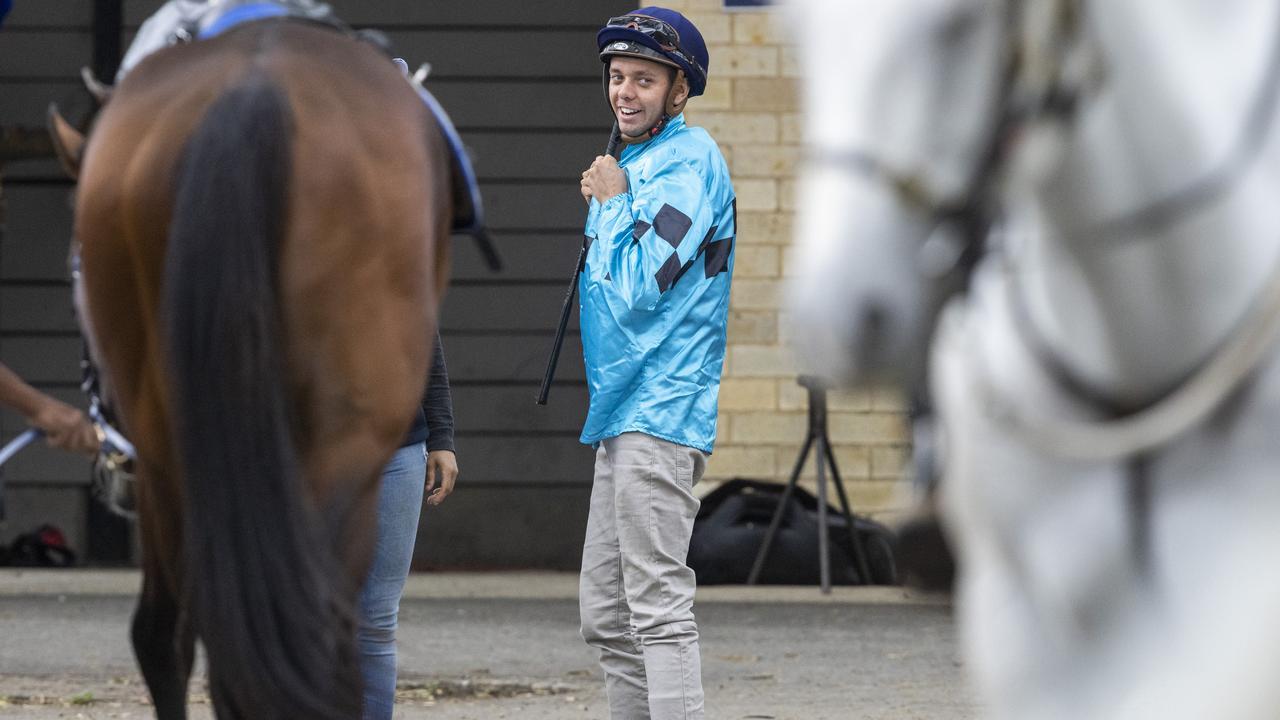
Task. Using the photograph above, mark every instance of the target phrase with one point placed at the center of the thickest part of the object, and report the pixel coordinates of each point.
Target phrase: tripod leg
(767, 544)
(824, 552)
(855, 541)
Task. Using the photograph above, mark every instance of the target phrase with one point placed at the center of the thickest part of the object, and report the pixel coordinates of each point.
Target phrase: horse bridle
(1128, 433)
(1133, 429)
(948, 260)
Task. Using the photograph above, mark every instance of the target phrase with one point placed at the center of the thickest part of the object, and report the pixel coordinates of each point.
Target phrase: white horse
(1108, 389)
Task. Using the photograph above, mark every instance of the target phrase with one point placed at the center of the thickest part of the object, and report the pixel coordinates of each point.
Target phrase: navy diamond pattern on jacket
(582, 258)
(716, 260)
(669, 273)
(671, 225)
(706, 239)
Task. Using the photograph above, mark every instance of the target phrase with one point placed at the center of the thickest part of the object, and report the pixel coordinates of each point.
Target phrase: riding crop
(611, 150)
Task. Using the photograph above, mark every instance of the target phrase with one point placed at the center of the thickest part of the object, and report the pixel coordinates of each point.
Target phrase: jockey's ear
(679, 94)
(68, 142)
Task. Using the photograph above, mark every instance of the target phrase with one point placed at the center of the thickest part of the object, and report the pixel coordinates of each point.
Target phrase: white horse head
(905, 101)
(900, 98)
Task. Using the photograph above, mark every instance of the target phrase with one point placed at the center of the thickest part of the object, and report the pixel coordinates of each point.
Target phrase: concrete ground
(486, 646)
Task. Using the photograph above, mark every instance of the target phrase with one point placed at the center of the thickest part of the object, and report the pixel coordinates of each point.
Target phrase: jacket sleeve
(437, 404)
(652, 233)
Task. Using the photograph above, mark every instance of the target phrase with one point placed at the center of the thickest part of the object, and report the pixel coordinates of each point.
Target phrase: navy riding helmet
(661, 35)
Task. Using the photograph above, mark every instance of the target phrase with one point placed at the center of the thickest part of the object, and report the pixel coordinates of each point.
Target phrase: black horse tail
(262, 579)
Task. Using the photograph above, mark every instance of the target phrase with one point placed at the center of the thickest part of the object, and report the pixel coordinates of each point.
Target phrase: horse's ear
(98, 89)
(68, 142)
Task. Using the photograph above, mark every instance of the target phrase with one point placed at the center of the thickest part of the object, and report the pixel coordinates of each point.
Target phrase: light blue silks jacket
(654, 295)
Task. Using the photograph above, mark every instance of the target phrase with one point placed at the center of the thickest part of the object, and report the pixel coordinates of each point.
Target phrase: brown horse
(262, 218)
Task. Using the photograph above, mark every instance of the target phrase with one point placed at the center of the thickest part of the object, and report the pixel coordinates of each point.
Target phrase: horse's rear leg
(164, 646)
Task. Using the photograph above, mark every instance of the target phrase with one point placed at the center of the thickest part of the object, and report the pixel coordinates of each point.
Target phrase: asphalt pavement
(486, 646)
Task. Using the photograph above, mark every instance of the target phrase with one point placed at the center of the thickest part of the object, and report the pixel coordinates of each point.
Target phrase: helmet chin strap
(648, 134)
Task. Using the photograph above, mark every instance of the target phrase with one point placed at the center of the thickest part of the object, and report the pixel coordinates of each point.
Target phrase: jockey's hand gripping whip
(615, 138)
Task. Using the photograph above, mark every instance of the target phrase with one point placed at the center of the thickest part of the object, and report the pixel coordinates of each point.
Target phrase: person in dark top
(424, 463)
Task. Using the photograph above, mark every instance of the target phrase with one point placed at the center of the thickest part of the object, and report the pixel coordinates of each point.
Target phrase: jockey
(655, 294)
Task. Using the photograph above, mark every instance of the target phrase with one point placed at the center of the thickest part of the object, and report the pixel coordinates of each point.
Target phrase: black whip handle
(611, 149)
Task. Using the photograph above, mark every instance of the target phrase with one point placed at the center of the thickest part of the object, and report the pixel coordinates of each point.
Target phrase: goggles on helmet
(660, 32)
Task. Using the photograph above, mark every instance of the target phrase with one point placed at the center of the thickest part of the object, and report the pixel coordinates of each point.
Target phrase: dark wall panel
(36, 309)
(586, 14)
(544, 156)
(510, 358)
(64, 506)
(48, 55)
(50, 14)
(501, 105)
(510, 410)
(516, 308)
(516, 205)
(482, 527)
(43, 361)
(27, 100)
(540, 461)
(545, 257)
(37, 231)
(498, 52)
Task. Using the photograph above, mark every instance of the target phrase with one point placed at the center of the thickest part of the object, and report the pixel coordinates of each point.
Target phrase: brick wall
(751, 108)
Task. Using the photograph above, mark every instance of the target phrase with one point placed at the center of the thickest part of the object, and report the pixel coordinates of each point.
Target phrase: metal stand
(817, 434)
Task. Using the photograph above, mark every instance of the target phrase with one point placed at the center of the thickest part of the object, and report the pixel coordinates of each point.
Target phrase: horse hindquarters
(279, 634)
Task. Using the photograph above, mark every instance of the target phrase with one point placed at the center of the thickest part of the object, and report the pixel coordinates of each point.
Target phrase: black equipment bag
(732, 522)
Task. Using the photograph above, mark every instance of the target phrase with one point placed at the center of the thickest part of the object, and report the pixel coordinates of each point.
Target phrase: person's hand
(603, 180)
(444, 464)
(65, 427)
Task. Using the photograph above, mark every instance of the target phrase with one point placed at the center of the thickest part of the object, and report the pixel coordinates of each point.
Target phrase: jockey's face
(638, 93)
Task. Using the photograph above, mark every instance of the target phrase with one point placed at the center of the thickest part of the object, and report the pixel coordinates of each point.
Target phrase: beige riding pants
(636, 592)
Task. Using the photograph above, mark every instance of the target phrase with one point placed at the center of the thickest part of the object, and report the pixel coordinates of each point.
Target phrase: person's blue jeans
(399, 505)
